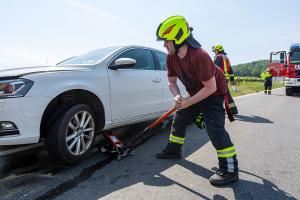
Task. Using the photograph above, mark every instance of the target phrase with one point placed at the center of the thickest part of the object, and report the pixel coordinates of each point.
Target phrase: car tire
(289, 91)
(72, 134)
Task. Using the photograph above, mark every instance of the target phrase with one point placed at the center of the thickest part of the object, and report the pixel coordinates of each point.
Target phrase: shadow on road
(144, 168)
(245, 189)
(252, 119)
(149, 171)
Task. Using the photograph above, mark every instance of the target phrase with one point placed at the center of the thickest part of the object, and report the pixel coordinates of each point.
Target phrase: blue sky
(44, 32)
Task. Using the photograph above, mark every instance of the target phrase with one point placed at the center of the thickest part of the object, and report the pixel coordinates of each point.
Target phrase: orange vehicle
(283, 64)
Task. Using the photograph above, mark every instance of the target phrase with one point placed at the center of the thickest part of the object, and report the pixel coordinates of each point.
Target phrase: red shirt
(194, 68)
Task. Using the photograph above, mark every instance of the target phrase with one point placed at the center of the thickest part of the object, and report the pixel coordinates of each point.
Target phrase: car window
(162, 59)
(89, 58)
(143, 57)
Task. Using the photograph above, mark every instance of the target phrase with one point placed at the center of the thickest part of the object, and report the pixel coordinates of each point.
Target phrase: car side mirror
(122, 63)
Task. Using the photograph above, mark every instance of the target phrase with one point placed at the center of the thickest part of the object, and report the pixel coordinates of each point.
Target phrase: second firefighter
(222, 61)
(267, 76)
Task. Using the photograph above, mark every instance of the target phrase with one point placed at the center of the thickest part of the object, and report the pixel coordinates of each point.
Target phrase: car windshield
(295, 57)
(89, 58)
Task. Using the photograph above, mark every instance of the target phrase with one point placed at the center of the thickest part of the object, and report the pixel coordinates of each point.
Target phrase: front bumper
(292, 82)
(26, 114)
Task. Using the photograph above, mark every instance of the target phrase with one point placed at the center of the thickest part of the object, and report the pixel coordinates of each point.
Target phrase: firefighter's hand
(177, 101)
(183, 103)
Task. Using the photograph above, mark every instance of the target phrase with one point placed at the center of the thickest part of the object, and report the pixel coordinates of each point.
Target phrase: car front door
(136, 92)
(168, 97)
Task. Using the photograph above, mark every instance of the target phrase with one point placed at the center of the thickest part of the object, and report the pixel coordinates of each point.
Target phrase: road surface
(266, 134)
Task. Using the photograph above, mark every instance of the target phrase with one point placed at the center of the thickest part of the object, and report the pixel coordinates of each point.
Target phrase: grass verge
(251, 87)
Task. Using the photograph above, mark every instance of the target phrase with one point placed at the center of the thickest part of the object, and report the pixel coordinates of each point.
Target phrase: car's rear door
(136, 93)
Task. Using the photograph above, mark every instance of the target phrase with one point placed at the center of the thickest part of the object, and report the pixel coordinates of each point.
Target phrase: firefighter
(206, 86)
(222, 61)
(267, 76)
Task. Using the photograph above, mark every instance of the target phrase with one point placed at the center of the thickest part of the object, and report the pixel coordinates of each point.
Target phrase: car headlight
(14, 88)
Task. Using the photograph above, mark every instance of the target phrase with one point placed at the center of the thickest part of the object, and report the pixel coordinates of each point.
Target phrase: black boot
(221, 178)
(168, 154)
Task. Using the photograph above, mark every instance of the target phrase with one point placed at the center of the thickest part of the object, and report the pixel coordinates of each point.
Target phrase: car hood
(18, 72)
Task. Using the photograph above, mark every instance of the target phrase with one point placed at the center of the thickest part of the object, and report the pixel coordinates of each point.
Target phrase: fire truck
(287, 65)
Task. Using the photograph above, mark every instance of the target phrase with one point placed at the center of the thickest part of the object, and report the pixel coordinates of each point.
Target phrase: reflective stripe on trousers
(229, 154)
(175, 139)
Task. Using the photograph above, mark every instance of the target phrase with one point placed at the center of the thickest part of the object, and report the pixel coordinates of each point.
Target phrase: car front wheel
(72, 134)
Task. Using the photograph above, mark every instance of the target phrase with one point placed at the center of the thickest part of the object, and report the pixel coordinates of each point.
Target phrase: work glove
(199, 121)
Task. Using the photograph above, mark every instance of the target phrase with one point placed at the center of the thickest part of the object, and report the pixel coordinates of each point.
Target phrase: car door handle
(157, 80)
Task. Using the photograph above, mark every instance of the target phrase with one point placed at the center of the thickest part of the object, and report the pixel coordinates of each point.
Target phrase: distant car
(68, 104)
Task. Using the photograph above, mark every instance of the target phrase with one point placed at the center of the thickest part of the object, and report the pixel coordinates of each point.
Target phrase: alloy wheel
(80, 133)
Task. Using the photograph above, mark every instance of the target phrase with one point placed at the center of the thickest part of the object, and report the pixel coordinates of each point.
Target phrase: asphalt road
(266, 134)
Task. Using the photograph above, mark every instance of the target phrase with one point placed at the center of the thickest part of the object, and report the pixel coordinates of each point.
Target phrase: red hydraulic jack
(115, 146)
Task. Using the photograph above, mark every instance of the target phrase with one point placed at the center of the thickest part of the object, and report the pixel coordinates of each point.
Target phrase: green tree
(254, 68)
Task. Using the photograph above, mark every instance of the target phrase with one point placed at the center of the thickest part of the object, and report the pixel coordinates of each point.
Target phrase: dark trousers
(214, 118)
(268, 85)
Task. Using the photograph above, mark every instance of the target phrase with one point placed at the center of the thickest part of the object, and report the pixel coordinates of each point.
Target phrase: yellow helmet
(218, 47)
(173, 28)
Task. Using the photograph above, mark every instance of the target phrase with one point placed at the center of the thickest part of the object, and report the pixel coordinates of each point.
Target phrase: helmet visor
(158, 38)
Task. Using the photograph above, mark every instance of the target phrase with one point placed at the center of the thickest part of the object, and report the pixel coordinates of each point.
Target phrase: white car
(68, 104)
